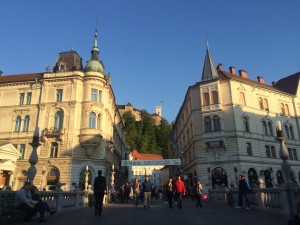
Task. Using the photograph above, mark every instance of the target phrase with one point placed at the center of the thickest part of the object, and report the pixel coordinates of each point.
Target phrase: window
(58, 120)
(98, 121)
(273, 152)
(260, 102)
(215, 99)
(26, 123)
(286, 110)
(92, 120)
(18, 124)
(268, 153)
(295, 154)
(207, 123)
(242, 99)
(53, 150)
(266, 105)
(94, 95)
(291, 132)
(22, 150)
(217, 123)
(28, 99)
(59, 93)
(265, 128)
(290, 153)
(287, 133)
(270, 129)
(21, 99)
(249, 149)
(206, 98)
(246, 124)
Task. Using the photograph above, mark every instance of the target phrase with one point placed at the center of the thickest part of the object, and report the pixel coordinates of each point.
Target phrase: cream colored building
(226, 126)
(80, 126)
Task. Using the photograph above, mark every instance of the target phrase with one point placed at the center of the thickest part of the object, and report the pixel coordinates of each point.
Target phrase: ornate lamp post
(284, 155)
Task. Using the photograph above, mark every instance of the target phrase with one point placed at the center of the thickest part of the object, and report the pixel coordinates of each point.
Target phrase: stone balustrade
(278, 201)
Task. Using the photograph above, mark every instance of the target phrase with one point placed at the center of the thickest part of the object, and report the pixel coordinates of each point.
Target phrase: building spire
(209, 70)
(95, 50)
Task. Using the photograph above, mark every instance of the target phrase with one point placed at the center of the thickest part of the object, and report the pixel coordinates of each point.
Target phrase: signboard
(163, 162)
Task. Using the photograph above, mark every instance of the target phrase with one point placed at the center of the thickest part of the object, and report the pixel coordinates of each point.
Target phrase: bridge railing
(279, 201)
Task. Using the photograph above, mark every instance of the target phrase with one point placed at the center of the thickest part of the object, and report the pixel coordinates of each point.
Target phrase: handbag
(204, 197)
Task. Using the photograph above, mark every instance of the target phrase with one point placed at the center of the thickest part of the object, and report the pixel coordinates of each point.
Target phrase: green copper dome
(94, 66)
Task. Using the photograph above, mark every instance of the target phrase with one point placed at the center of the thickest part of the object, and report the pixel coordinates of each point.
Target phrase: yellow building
(226, 126)
(79, 124)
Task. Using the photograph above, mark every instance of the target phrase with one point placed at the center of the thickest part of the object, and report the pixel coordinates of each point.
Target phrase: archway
(219, 177)
(252, 178)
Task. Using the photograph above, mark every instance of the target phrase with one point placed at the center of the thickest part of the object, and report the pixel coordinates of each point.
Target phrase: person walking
(23, 200)
(147, 188)
(170, 191)
(198, 194)
(136, 192)
(243, 192)
(180, 191)
(99, 189)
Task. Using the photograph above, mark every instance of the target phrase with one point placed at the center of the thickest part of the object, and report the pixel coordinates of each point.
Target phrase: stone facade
(226, 126)
(77, 116)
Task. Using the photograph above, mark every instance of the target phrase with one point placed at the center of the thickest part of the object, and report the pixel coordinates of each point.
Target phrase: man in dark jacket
(243, 192)
(99, 189)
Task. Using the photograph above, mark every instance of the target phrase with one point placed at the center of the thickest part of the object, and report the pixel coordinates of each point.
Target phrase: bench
(7, 210)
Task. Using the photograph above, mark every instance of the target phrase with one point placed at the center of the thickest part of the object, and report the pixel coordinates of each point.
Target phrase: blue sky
(154, 49)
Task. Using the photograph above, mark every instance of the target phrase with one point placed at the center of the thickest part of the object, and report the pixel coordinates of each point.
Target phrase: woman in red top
(179, 191)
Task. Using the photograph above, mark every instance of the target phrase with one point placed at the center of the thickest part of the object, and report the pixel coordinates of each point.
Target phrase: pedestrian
(243, 192)
(23, 200)
(180, 191)
(99, 189)
(147, 188)
(198, 194)
(40, 204)
(136, 187)
(170, 191)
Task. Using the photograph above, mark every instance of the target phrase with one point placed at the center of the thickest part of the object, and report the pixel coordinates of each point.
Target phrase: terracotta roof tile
(20, 77)
(139, 156)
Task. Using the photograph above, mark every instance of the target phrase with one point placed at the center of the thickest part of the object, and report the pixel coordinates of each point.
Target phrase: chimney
(232, 70)
(243, 73)
(261, 79)
(219, 67)
(274, 83)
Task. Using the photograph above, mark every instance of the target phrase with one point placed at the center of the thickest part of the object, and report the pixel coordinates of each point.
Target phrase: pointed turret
(94, 65)
(209, 71)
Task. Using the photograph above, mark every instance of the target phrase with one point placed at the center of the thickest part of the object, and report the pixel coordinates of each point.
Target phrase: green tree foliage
(144, 135)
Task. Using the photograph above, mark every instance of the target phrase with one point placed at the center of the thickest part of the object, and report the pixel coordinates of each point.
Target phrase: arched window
(266, 105)
(291, 132)
(246, 124)
(98, 121)
(265, 128)
(217, 123)
(270, 128)
(52, 178)
(252, 178)
(242, 99)
(287, 133)
(58, 120)
(286, 110)
(260, 102)
(92, 120)
(26, 123)
(207, 123)
(18, 124)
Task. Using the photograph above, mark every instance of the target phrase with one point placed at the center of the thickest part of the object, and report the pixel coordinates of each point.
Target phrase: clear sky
(154, 49)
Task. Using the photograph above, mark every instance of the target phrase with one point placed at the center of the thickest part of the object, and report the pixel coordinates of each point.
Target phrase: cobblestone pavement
(160, 214)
